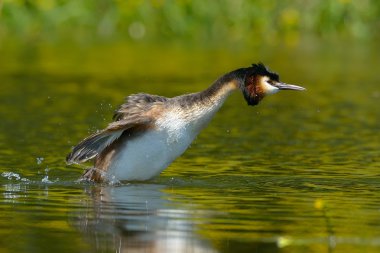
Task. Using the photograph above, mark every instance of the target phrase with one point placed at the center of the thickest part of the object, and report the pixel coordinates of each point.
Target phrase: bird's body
(146, 156)
(150, 132)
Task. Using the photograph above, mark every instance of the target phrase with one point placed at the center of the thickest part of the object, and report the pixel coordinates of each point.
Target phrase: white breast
(147, 155)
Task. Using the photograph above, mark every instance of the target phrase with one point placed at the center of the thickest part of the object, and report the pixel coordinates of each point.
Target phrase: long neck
(219, 90)
(200, 107)
(214, 95)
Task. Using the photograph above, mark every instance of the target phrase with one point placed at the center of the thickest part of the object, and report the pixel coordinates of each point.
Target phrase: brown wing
(138, 112)
(136, 103)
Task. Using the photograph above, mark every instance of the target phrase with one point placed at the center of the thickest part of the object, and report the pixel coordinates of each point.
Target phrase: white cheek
(269, 89)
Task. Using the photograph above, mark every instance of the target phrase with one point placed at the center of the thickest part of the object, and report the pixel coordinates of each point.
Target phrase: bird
(149, 132)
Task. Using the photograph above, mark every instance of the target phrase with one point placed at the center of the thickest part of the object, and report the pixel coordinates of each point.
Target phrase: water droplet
(39, 160)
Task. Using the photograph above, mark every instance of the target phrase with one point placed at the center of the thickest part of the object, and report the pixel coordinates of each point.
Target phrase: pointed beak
(285, 86)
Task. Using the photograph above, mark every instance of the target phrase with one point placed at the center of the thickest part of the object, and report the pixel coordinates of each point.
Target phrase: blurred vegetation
(192, 21)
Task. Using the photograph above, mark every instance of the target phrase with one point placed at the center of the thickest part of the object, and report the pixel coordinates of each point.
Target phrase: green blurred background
(196, 22)
(117, 38)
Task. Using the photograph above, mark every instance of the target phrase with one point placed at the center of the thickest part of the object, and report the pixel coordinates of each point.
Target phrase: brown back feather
(136, 113)
(137, 103)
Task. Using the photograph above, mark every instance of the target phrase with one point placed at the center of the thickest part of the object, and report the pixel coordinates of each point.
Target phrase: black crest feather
(262, 70)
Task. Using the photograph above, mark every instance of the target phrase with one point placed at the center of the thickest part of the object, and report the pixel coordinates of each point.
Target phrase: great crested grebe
(149, 132)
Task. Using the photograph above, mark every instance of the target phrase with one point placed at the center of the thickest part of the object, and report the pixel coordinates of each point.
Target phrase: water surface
(298, 173)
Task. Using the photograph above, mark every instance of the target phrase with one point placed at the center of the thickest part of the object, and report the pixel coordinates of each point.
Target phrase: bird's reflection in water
(135, 218)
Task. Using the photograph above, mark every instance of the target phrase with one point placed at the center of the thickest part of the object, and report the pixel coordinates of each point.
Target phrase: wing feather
(92, 146)
(135, 103)
(131, 115)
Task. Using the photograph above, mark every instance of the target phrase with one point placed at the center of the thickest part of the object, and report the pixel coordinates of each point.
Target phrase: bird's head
(258, 81)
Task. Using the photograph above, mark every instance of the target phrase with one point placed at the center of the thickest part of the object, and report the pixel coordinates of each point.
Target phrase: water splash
(113, 180)
(46, 180)
(13, 176)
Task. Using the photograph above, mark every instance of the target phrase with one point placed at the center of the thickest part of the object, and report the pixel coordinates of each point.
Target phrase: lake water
(298, 173)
